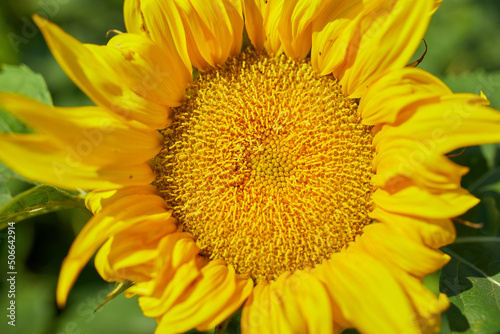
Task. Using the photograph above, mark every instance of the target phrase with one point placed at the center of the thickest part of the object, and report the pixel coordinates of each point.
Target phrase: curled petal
(131, 254)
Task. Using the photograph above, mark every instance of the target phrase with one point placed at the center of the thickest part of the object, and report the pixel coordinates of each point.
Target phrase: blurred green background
(463, 50)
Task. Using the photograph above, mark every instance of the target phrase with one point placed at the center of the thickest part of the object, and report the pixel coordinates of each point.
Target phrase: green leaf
(6, 176)
(485, 182)
(477, 82)
(10, 183)
(491, 153)
(20, 79)
(350, 331)
(489, 214)
(7, 51)
(472, 282)
(36, 201)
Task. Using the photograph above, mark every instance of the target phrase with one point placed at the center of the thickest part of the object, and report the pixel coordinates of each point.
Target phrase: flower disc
(267, 164)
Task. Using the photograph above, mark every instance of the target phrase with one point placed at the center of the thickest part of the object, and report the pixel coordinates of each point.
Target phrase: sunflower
(303, 179)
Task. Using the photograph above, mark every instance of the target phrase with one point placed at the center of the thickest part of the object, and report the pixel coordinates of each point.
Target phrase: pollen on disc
(267, 164)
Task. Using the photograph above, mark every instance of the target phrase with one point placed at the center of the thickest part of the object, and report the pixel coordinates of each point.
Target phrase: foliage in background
(461, 52)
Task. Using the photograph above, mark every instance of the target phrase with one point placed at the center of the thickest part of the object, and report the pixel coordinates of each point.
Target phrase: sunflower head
(267, 164)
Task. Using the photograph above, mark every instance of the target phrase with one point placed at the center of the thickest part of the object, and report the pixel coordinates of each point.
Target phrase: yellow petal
(400, 160)
(132, 253)
(434, 233)
(234, 9)
(252, 318)
(396, 249)
(134, 20)
(483, 96)
(264, 312)
(388, 96)
(214, 29)
(428, 308)
(94, 134)
(437, 3)
(102, 264)
(120, 76)
(176, 270)
(261, 21)
(160, 21)
(382, 37)
(296, 303)
(85, 147)
(154, 75)
(114, 218)
(414, 201)
(307, 304)
(37, 158)
(448, 123)
(96, 200)
(295, 26)
(204, 33)
(224, 302)
(254, 22)
(370, 299)
(209, 300)
(333, 31)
